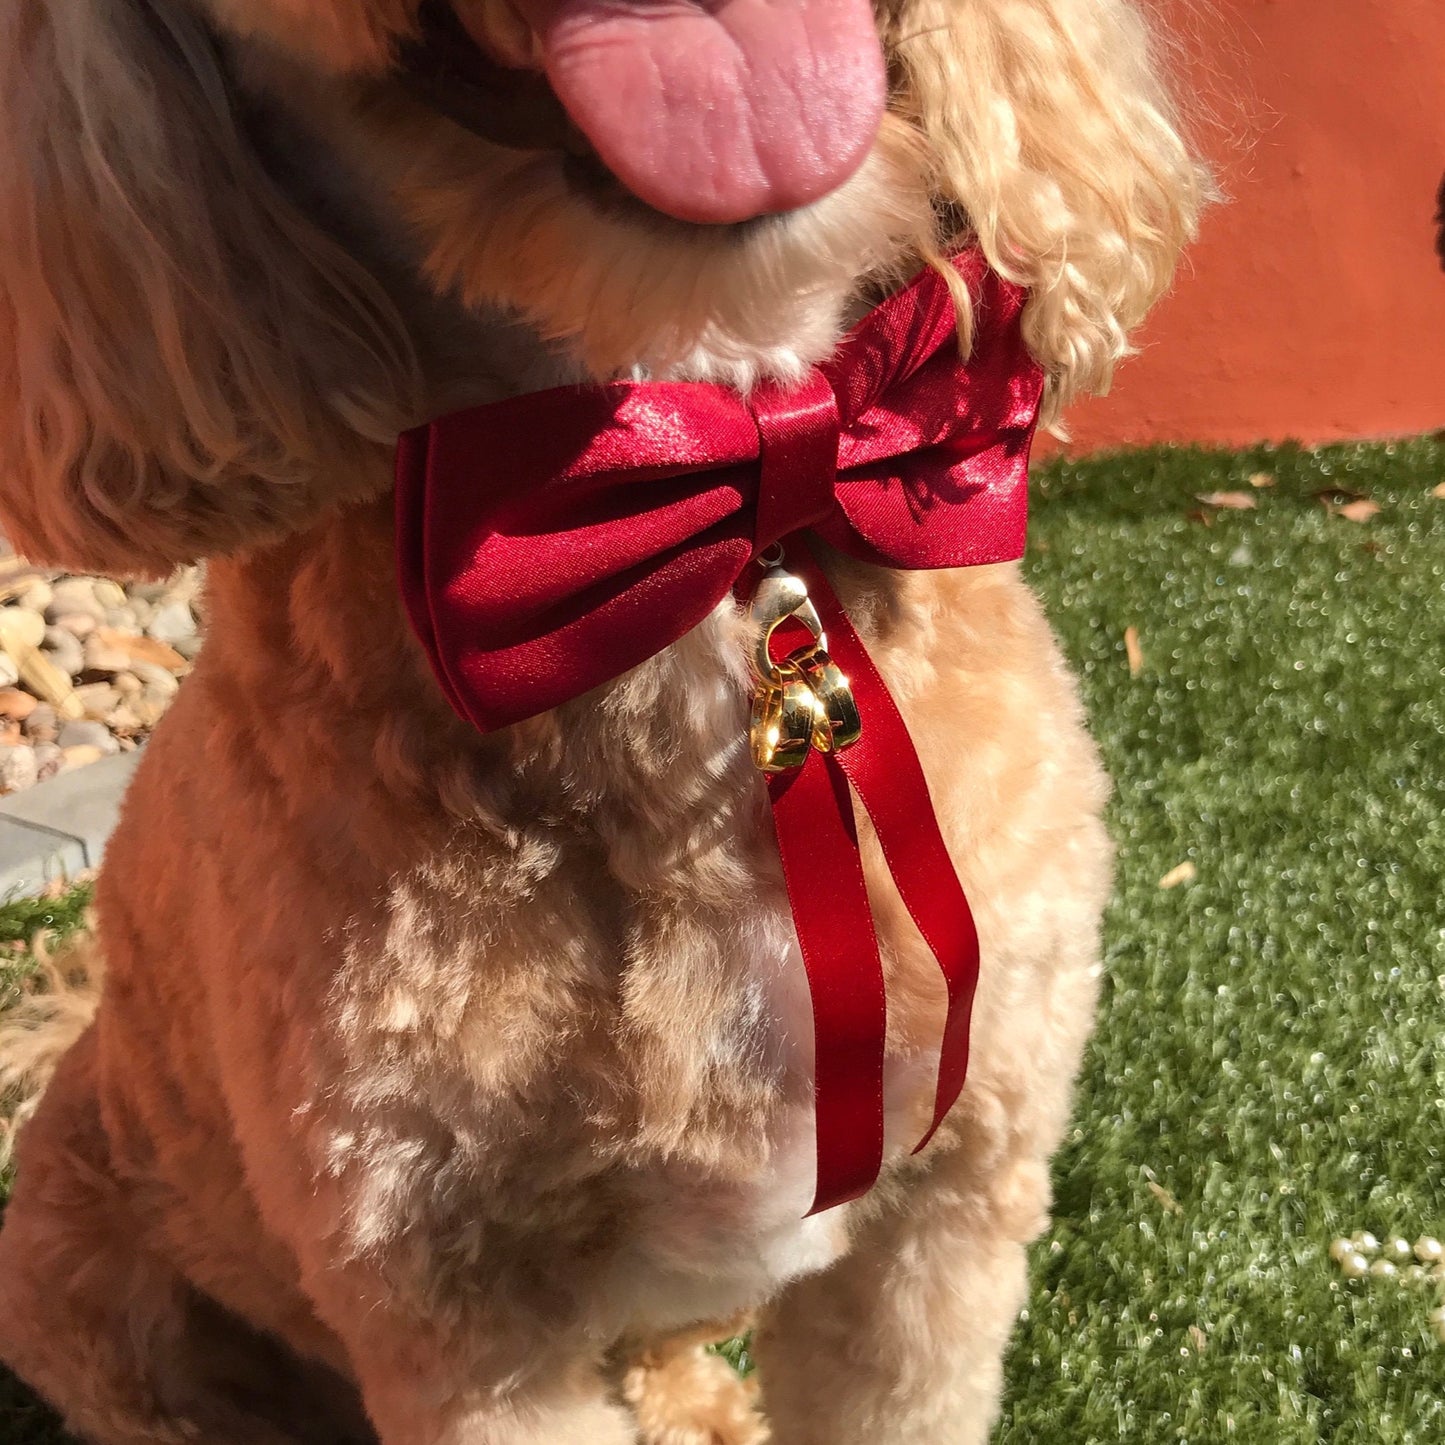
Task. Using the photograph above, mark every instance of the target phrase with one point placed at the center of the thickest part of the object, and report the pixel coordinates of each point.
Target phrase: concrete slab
(59, 827)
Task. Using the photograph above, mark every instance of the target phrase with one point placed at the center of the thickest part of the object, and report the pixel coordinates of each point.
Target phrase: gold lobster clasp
(804, 701)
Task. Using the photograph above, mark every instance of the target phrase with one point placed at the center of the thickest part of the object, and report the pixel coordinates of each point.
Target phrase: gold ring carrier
(805, 701)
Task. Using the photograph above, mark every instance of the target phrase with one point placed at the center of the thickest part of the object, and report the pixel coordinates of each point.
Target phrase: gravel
(88, 665)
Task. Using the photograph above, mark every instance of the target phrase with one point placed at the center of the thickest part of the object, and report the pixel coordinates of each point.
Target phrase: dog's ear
(187, 364)
(1053, 131)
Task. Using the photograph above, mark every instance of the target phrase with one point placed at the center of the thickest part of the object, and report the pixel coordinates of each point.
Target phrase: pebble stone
(174, 623)
(22, 627)
(99, 699)
(17, 705)
(75, 594)
(65, 650)
(43, 723)
(87, 733)
(79, 755)
(102, 688)
(108, 593)
(1397, 1263)
(19, 767)
(77, 624)
(37, 596)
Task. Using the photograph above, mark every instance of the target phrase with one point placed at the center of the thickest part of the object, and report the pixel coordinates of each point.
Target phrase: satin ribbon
(549, 542)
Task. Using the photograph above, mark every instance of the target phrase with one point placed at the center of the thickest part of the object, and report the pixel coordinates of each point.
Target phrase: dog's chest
(651, 1131)
(593, 1054)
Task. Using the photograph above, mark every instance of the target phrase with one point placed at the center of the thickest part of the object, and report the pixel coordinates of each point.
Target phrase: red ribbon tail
(818, 843)
(883, 767)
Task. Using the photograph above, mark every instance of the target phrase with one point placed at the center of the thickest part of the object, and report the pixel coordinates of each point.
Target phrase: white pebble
(98, 699)
(22, 626)
(174, 624)
(1366, 1243)
(1399, 1250)
(1382, 1269)
(1340, 1248)
(1428, 1250)
(37, 596)
(65, 650)
(77, 624)
(18, 767)
(107, 592)
(1354, 1266)
(87, 733)
(74, 594)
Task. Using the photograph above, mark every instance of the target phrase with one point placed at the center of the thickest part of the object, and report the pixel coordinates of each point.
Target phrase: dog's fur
(447, 1090)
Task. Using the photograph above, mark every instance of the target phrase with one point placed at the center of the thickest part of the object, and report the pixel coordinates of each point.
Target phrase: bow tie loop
(798, 435)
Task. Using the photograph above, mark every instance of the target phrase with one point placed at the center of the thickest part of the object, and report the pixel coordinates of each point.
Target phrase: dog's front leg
(457, 1377)
(901, 1342)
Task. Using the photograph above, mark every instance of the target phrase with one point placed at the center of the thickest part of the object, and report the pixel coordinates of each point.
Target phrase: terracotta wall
(1314, 304)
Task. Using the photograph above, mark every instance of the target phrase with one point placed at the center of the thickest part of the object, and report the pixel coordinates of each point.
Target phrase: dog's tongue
(718, 110)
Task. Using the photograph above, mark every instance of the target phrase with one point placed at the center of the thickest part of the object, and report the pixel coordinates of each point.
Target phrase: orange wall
(1314, 304)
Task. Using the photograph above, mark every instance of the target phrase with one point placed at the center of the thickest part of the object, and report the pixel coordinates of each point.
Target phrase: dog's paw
(688, 1396)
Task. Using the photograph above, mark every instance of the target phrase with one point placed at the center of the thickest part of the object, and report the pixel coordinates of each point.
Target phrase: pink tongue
(718, 110)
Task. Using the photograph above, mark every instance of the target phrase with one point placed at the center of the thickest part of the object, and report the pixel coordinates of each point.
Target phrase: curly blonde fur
(448, 1089)
(1052, 132)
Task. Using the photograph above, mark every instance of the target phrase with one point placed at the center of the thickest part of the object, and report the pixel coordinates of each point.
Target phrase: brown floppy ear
(187, 364)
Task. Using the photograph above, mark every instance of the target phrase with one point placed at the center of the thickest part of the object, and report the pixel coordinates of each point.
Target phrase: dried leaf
(1186, 872)
(1229, 501)
(1261, 479)
(1334, 495)
(1205, 519)
(1136, 653)
(1199, 1339)
(1360, 511)
(1165, 1198)
(48, 682)
(1438, 491)
(141, 649)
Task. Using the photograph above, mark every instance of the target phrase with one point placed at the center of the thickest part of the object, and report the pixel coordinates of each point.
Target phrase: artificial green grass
(23, 1419)
(21, 920)
(1269, 1049)
(1268, 1070)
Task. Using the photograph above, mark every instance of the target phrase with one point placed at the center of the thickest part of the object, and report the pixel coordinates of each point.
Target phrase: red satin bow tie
(550, 542)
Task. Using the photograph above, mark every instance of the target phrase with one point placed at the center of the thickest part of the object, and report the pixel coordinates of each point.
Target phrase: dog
(451, 1088)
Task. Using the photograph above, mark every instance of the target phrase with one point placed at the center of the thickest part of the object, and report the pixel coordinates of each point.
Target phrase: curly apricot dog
(449, 1088)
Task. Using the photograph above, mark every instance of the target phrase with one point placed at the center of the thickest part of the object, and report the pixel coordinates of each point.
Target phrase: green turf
(1269, 1049)
(23, 1420)
(1268, 1055)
